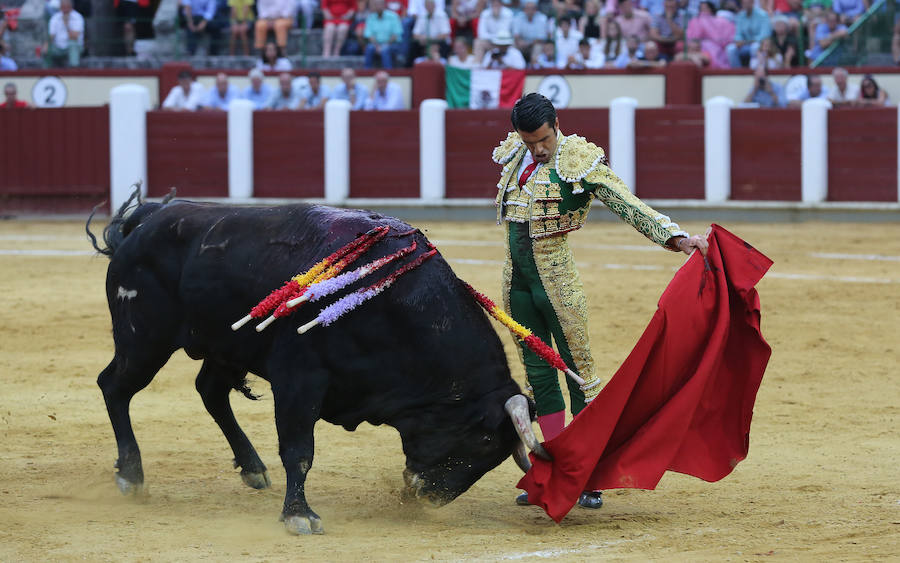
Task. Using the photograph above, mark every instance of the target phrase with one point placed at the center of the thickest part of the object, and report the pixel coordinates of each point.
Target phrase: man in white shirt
(385, 96)
(584, 58)
(502, 54)
(493, 20)
(186, 96)
(66, 37)
(431, 27)
(566, 41)
(843, 93)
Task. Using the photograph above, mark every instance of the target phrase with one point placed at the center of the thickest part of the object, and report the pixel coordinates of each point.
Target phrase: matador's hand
(696, 242)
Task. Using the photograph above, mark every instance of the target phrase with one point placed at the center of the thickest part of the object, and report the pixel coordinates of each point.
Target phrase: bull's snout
(417, 488)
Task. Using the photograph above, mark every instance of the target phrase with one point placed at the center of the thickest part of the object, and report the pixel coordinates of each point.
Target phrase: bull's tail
(128, 216)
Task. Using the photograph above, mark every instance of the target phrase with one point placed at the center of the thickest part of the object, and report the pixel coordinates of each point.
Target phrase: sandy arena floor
(822, 480)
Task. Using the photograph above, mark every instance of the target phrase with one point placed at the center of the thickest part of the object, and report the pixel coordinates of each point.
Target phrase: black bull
(421, 357)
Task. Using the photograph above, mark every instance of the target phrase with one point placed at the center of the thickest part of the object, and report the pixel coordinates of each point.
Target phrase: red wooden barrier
(288, 154)
(669, 144)
(54, 159)
(384, 154)
(470, 137)
(188, 151)
(765, 154)
(862, 154)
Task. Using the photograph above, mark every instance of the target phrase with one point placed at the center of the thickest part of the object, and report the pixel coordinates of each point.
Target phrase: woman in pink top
(714, 34)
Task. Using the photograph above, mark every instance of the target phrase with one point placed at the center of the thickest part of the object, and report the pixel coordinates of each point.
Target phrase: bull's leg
(213, 384)
(297, 407)
(122, 378)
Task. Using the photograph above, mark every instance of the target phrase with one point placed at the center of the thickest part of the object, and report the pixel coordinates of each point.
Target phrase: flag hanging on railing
(483, 89)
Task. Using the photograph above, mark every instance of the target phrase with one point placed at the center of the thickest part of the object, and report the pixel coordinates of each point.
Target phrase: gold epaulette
(507, 149)
(576, 158)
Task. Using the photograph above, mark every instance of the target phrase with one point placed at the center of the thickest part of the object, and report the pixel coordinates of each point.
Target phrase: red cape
(683, 399)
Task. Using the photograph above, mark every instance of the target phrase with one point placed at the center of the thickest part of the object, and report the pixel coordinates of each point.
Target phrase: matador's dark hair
(531, 112)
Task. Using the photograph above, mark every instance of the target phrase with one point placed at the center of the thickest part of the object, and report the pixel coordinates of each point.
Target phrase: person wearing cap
(502, 53)
(187, 95)
(258, 92)
(546, 187)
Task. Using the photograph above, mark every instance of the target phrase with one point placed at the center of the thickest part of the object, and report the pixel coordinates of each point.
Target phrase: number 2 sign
(49, 92)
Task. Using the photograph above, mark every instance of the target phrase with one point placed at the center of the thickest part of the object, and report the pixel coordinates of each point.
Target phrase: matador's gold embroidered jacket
(557, 197)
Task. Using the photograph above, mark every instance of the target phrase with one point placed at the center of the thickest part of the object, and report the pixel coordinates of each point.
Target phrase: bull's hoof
(127, 487)
(256, 480)
(304, 525)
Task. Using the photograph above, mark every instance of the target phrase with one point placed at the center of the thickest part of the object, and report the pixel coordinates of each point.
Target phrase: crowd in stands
(292, 93)
(768, 94)
(564, 34)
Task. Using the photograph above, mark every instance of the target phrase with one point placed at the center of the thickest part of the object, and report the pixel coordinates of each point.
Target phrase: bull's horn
(520, 454)
(517, 409)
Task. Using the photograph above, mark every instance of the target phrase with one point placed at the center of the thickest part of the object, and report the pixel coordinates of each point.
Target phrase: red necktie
(527, 173)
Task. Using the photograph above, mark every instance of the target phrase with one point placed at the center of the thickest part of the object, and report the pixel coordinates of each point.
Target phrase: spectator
(714, 33)
(785, 42)
(633, 21)
(241, 18)
(650, 58)
(349, 89)
(584, 59)
(765, 93)
(286, 97)
(432, 27)
(277, 16)
(198, 17)
(66, 37)
(338, 15)
(695, 54)
(7, 64)
(844, 93)
(493, 21)
(767, 55)
(613, 45)
(633, 51)
(751, 26)
(814, 14)
(826, 33)
(502, 53)
(870, 95)
(566, 42)
(317, 94)
(383, 31)
(433, 54)
(813, 89)
(848, 11)
(127, 12)
(666, 30)
(271, 59)
(461, 56)
(568, 9)
(592, 23)
(789, 10)
(187, 95)
(547, 57)
(530, 29)
(655, 8)
(258, 92)
(464, 17)
(385, 95)
(12, 97)
(219, 98)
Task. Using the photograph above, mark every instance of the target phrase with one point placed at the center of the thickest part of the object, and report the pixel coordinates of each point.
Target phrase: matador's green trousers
(542, 290)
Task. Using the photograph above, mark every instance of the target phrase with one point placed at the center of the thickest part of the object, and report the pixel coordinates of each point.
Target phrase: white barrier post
(240, 149)
(128, 106)
(814, 150)
(621, 140)
(717, 148)
(337, 151)
(432, 150)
